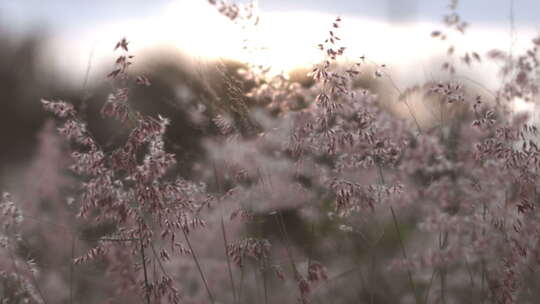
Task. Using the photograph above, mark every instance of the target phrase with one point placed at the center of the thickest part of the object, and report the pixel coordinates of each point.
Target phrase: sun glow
(282, 41)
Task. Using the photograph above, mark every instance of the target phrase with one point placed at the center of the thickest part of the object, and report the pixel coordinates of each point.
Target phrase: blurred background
(63, 49)
(58, 49)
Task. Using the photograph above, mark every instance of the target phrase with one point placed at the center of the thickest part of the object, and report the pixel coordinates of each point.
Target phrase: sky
(78, 14)
(394, 32)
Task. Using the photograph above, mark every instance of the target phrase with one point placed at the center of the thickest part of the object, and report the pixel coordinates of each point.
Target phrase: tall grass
(314, 193)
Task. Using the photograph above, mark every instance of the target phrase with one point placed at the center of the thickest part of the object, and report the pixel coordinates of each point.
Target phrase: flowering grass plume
(306, 193)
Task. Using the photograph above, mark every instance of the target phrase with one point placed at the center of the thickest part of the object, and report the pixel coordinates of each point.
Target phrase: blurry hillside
(187, 91)
(176, 91)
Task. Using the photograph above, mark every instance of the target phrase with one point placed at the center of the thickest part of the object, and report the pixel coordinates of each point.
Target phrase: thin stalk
(229, 268)
(372, 271)
(402, 245)
(483, 263)
(287, 249)
(241, 287)
(14, 263)
(146, 284)
(482, 284)
(71, 269)
(263, 267)
(265, 287)
(442, 277)
(257, 284)
(471, 279)
(442, 271)
(404, 253)
(405, 100)
(34, 280)
(224, 235)
(196, 259)
(429, 286)
(364, 284)
(157, 258)
(286, 239)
